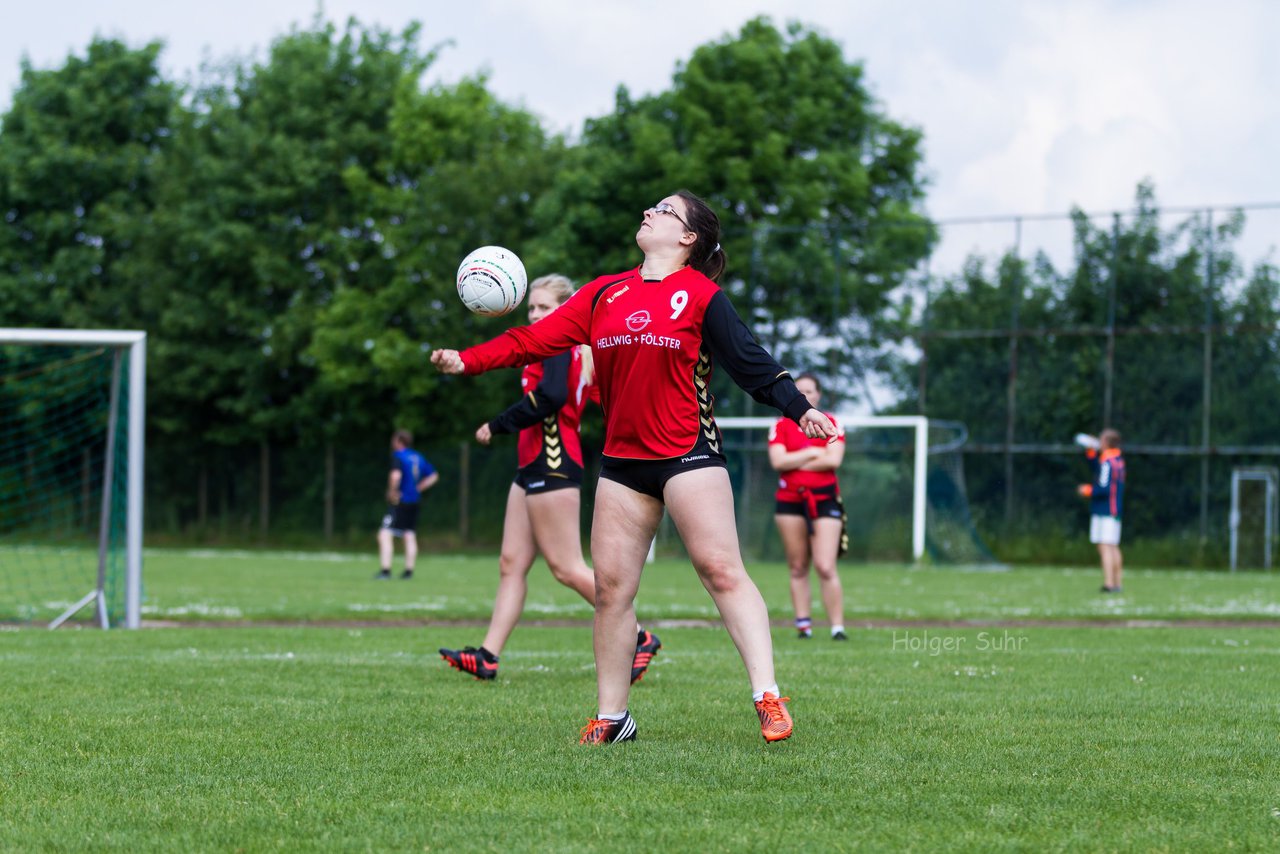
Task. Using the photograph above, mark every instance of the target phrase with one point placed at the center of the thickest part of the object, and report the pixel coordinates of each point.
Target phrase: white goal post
(920, 464)
(134, 345)
(1269, 477)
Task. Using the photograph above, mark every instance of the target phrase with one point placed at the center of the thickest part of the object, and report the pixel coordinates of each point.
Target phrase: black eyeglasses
(666, 208)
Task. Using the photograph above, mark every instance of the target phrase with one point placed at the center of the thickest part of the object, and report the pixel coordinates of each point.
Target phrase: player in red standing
(654, 332)
(809, 513)
(543, 504)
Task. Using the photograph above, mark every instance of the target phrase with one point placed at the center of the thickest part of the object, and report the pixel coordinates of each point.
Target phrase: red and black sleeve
(736, 349)
(547, 398)
(567, 326)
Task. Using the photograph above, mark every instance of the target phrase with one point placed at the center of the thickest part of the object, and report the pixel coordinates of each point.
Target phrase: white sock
(772, 689)
(613, 717)
(836, 629)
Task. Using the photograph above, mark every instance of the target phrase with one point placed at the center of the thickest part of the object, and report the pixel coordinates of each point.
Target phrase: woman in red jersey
(655, 332)
(809, 513)
(543, 507)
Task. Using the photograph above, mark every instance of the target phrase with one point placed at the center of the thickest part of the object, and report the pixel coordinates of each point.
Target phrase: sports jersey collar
(676, 272)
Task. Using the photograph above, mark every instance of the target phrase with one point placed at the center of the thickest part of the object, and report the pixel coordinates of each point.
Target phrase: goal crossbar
(920, 465)
(135, 343)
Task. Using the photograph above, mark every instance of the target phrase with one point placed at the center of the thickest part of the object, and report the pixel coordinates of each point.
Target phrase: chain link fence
(1162, 323)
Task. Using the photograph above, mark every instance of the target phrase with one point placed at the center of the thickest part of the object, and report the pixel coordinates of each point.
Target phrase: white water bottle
(1084, 440)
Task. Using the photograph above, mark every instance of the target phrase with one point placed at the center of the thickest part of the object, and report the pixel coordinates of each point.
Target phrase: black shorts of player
(402, 518)
(825, 506)
(828, 506)
(537, 478)
(649, 477)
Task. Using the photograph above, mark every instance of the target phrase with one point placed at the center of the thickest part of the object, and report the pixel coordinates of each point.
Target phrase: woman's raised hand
(447, 361)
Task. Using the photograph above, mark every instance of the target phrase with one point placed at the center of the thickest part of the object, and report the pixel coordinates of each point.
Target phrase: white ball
(491, 281)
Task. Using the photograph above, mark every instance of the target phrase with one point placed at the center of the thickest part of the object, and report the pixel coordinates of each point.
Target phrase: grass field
(236, 586)
(1029, 730)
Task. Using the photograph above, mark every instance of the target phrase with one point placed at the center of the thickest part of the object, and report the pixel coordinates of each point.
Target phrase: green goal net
(70, 496)
(882, 481)
(952, 537)
(902, 482)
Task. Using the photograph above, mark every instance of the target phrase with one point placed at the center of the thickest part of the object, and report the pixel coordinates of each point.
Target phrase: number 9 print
(678, 301)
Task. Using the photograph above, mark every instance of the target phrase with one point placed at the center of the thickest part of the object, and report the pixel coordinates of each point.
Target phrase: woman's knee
(615, 588)
(722, 576)
(569, 572)
(612, 598)
(826, 571)
(511, 563)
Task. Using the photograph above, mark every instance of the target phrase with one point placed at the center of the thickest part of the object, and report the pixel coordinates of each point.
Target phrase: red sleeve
(547, 397)
(567, 326)
(777, 433)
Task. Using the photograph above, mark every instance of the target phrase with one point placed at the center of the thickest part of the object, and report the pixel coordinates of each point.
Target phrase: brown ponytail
(706, 255)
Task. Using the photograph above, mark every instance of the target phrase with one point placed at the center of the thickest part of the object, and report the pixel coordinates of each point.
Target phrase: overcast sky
(1027, 107)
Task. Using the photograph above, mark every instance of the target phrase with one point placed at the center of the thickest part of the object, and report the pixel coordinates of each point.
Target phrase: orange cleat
(775, 721)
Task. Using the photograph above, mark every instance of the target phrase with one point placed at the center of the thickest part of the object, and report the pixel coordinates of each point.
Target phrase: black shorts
(826, 505)
(536, 478)
(648, 477)
(401, 518)
(829, 507)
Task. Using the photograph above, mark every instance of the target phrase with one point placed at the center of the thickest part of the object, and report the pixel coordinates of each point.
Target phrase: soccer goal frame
(1269, 476)
(134, 345)
(920, 465)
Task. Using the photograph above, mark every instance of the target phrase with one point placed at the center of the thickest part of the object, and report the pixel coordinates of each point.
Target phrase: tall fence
(1026, 329)
(1179, 352)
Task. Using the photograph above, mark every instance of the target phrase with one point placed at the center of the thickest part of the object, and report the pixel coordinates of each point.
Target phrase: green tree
(463, 171)
(261, 224)
(75, 184)
(1247, 363)
(1166, 289)
(817, 189)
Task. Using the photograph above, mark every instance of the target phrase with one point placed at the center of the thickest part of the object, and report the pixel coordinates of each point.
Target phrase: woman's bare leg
(701, 506)
(518, 552)
(624, 525)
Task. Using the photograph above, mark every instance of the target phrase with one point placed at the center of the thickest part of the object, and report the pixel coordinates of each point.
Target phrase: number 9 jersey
(654, 343)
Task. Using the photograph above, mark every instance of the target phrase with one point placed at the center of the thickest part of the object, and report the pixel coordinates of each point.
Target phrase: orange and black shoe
(480, 663)
(775, 721)
(647, 646)
(599, 731)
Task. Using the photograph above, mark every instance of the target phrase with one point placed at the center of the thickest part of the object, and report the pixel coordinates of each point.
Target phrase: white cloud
(1028, 106)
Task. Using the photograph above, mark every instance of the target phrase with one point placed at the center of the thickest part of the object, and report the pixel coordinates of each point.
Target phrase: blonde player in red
(543, 504)
(809, 512)
(655, 332)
